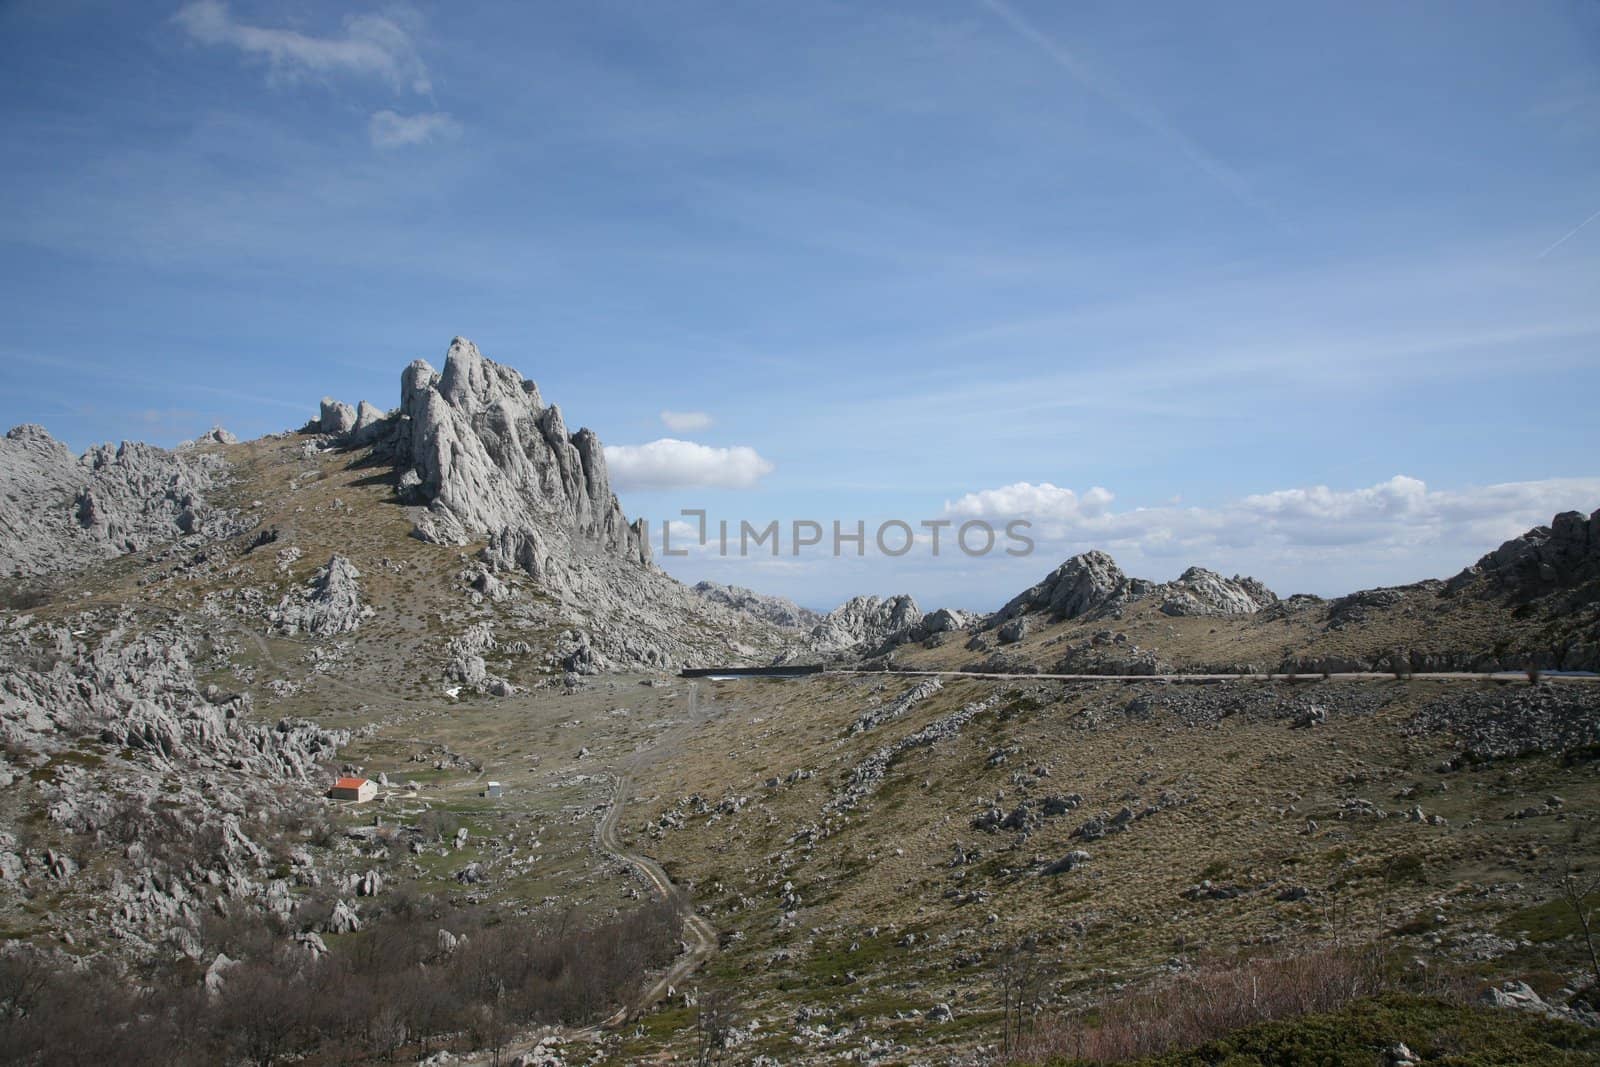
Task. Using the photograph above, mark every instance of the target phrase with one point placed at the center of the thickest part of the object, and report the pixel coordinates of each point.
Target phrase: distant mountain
(1532, 602)
(779, 611)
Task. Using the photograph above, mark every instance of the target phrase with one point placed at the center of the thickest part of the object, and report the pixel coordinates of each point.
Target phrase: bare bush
(714, 1021)
(374, 993)
(1193, 1008)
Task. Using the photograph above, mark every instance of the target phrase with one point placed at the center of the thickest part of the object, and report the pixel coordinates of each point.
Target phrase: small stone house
(359, 790)
(493, 791)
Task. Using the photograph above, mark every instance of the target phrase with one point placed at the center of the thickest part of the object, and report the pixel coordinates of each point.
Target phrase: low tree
(713, 1025)
(1022, 983)
(1580, 890)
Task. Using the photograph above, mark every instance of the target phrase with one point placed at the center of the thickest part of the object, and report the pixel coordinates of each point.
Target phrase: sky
(1308, 292)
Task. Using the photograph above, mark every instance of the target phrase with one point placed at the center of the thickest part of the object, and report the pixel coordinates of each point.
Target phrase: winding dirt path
(699, 935)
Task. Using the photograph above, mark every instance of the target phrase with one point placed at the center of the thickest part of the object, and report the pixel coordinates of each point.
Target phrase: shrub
(1202, 1005)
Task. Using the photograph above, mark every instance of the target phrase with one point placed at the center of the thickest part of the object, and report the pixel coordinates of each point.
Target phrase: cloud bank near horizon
(1398, 514)
(1306, 539)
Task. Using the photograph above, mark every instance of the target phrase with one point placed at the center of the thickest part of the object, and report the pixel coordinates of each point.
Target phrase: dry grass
(1207, 1003)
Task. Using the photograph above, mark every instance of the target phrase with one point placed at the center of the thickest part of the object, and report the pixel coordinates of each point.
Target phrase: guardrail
(788, 671)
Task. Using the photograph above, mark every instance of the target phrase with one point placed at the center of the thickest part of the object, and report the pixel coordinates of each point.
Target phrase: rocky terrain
(779, 611)
(1532, 603)
(852, 865)
(59, 511)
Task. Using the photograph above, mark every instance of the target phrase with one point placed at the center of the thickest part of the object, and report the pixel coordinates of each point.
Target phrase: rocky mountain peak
(1091, 584)
(472, 383)
(780, 611)
(865, 622)
(480, 451)
(1088, 582)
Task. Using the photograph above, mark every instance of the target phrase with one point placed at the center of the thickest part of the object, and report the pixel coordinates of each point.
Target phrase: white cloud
(1044, 501)
(685, 421)
(1398, 515)
(377, 46)
(389, 129)
(672, 464)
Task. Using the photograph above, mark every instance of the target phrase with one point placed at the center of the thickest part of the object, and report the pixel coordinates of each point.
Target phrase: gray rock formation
(1013, 630)
(138, 689)
(480, 457)
(1092, 586)
(777, 610)
(214, 436)
(467, 664)
(1565, 553)
(929, 628)
(863, 779)
(330, 604)
(336, 418)
(1201, 592)
(1087, 584)
(875, 717)
(490, 459)
(343, 920)
(864, 622)
(370, 424)
(59, 513)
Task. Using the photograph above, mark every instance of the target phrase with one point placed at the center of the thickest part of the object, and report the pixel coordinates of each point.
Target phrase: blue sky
(1257, 272)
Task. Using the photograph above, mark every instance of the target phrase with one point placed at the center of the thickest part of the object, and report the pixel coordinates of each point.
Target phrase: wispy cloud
(685, 421)
(1140, 111)
(390, 129)
(172, 384)
(672, 464)
(375, 46)
(1570, 234)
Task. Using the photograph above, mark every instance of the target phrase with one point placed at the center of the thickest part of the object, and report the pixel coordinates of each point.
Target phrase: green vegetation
(1553, 920)
(1438, 1031)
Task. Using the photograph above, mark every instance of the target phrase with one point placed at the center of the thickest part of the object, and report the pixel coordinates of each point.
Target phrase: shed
(358, 789)
(493, 791)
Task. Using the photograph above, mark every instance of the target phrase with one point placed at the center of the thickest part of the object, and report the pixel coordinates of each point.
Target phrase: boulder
(335, 418)
(344, 920)
(1013, 631)
(1071, 861)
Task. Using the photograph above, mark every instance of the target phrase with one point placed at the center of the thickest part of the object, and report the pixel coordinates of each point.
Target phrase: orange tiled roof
(350, 783)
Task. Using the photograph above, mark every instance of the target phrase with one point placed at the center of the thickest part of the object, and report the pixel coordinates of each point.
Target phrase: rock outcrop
(864, 622)
(1546, 558)
(1087, 584)
(779, 611)
(60, 512)
(1201, 592)
(138, 690)
(485, 456)
(1092, 586)
(480, 457)
(329, 605)
(335, 418)
(214, 436)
